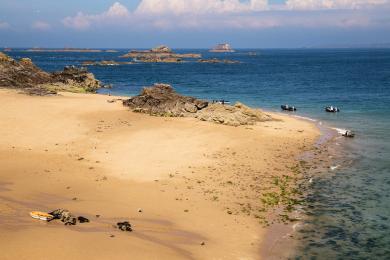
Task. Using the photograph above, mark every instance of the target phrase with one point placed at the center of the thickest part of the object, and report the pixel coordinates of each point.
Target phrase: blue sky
(193, 23)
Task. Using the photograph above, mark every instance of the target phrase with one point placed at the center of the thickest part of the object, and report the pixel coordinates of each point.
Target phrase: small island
(66, 50)
(223, 47)
(160, 53)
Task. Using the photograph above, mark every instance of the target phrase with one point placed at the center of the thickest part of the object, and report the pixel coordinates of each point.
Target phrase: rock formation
(162, 100)
(159, 54)
(77, 77)
(23, 74)
(236, 115)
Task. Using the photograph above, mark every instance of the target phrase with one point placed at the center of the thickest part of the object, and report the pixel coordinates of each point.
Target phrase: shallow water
(349, 207)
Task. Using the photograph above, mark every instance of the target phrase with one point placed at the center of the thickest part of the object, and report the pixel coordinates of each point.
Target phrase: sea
(349, 205)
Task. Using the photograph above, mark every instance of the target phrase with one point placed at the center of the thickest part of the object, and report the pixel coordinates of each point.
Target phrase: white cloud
(197, 7)
(117, 10)
(332, 4)
(41, 26)
(79, 22)
(116, 13)
(216, 14)
(4, 25)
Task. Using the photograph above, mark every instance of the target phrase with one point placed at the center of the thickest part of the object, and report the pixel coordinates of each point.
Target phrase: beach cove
(190, 189)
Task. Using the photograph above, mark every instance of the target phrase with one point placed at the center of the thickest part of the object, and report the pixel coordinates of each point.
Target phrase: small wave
(305, 118)
(334, 167)
(340, 130)
(297, 226)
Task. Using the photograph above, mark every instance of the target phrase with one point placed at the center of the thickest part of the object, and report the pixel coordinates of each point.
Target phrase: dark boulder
(162, 100)
(124, 226)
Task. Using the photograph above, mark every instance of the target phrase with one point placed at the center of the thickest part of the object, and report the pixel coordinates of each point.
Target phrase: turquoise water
(349, 208)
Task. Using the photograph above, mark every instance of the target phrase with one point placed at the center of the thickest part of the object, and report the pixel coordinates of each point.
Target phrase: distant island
(160, 53)
(68, 50)
(223, 47)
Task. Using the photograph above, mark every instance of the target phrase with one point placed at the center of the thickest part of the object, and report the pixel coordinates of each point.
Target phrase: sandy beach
(197, 184)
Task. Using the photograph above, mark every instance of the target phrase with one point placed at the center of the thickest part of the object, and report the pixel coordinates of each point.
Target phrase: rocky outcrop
(157, 59)
(23, 74)
(162, 49)
(159, 54)
(162, 100)
(77, 77)
(236, 115)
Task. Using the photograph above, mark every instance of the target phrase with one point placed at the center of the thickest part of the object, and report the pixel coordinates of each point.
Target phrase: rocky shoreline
(26, 76)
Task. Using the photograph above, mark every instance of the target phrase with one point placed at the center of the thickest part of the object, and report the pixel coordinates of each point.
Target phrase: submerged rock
(162, 100)
(105, 63)
(215, 60)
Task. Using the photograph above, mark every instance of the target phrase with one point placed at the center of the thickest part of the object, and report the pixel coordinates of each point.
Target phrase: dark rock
(124, 226)
(64, 215)
(23, 74)
(82, 219)
(162, 100)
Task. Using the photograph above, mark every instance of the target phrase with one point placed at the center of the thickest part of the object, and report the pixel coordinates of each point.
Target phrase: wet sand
(196, 182)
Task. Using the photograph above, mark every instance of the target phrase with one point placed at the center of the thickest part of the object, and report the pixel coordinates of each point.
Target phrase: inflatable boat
(332, 109)
(288, 108)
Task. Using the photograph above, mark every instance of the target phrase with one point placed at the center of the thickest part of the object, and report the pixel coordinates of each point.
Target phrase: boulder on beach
(78, 77)
(162, 100)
